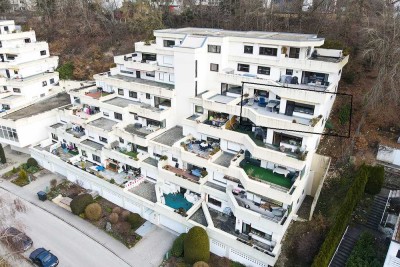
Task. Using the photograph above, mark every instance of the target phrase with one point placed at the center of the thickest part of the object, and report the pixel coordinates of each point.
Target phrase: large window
(96, 158)
(8, 133)
(243, 67)
(248, 49)
(263, 70)
(148, 96)
(118, 116)
(169, 43)
(268, 51)
(294, 52)
(214, 49)
(214, 67)
(214, 201)
(132, 94)
(304, 108)
(198, 109)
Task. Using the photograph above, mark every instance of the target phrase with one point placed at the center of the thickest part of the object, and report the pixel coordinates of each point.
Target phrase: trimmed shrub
(365, 252)
(80, 202)
(125, 214)
(2, 155)
(53, 183)
(31, 162)
(376, 177)
(93, 211)
(177, 246)
(135, 220)
(112, 181)
(201, 264)
(117, 210)
(113, 218)
(342, 218)
(196, 246)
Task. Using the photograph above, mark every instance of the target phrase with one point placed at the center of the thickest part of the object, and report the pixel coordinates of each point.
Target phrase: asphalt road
(72, 247)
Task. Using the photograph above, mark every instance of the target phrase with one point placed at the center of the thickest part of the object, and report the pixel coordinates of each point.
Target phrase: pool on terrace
(177, 201)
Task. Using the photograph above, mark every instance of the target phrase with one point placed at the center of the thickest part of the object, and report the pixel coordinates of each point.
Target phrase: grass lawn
(267, 175)
(131, 154)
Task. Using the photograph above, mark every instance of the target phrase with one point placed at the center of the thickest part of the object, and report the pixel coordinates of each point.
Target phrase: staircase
(345, 247)
(376, 212)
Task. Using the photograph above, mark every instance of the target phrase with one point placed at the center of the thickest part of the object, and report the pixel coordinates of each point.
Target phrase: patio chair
(251, 102)
(262, 102)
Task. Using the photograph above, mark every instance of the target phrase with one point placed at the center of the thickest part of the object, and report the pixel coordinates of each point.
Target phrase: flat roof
(243, 34)
(143, 81)
(119, 102)
(171, 136)
(103, 123)
(222, 99)
(47, 104)
(92, 144)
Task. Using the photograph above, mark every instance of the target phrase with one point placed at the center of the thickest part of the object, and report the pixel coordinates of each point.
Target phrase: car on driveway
(43, 258)
(16, 240)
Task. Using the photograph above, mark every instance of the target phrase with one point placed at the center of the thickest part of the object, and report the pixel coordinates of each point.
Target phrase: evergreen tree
(2, 155)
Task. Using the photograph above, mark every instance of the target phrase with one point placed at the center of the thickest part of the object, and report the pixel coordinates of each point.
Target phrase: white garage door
(171, 224)
(217, 248)
(233, 146)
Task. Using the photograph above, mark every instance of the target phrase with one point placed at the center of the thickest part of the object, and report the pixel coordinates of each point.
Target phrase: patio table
(281, 171)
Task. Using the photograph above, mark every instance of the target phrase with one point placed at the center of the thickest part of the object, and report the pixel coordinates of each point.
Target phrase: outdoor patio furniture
(100, 168)
(196, 172)
(282, 171)
(262, 102)
(250, 102)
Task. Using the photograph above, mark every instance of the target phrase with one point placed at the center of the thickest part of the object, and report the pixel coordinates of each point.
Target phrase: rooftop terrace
(56, 101)
(103, 123)
(92, 144)
(170, 137)
(143, 81)
(224, 159)
(146, 190)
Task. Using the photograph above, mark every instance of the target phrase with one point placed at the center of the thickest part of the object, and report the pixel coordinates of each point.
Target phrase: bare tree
(10, 207)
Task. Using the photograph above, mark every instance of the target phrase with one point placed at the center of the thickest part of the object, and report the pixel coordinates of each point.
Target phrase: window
(148, 96)
(16, 90)
(51, 80)
(169, 43)
(106, 114)
(214, 201)
(243, 67)
(43, 52)
(214, 67)
(1, 45)
(263, 70)
(44, 83)
(161, 76)
(195, 68)
(27, 40)
(289, 72)
(121, 91)
(6, 28)
(214, 49)
(268, 51)
(96, 158)
(42, 95)
(15, 71)
(54, 136)
(198, 109)
(132, 94)
(294, 52)
(304, 108)
(248, 49)
(83, 152)
(102, 139)
(118, 116)
(151, 74)
(195, 88)
(174, 159)
(121, 140)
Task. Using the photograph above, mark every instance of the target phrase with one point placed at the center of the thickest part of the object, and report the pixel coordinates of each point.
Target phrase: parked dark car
(43, 258)
(16, 239)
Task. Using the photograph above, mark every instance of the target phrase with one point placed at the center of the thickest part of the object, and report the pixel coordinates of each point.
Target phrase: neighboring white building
(389, 155)
(27, 71)
(393, 254)
(164, 123)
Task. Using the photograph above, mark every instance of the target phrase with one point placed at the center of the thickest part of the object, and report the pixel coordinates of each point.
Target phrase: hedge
(376, 177)
(177, 246)
(196, 246)
(32, 162)
(343, 216)
(80, 202)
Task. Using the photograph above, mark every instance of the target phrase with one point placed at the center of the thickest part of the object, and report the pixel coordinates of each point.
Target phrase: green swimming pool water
(177, 201)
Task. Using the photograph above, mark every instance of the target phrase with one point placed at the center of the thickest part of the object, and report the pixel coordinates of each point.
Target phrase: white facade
(27, 71)
(183, 144)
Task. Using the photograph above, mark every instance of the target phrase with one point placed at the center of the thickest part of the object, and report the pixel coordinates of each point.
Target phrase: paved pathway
(148, 252)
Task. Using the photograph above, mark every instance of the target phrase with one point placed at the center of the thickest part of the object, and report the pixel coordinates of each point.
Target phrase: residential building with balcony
(27, 71)
(203, 127)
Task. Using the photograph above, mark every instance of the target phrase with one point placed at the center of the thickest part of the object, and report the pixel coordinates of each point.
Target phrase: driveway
(79, 243)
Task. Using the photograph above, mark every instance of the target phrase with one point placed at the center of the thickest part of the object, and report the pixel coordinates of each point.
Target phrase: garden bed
(22, 178)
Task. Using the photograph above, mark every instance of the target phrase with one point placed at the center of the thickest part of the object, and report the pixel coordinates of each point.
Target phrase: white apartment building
(202, 127)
